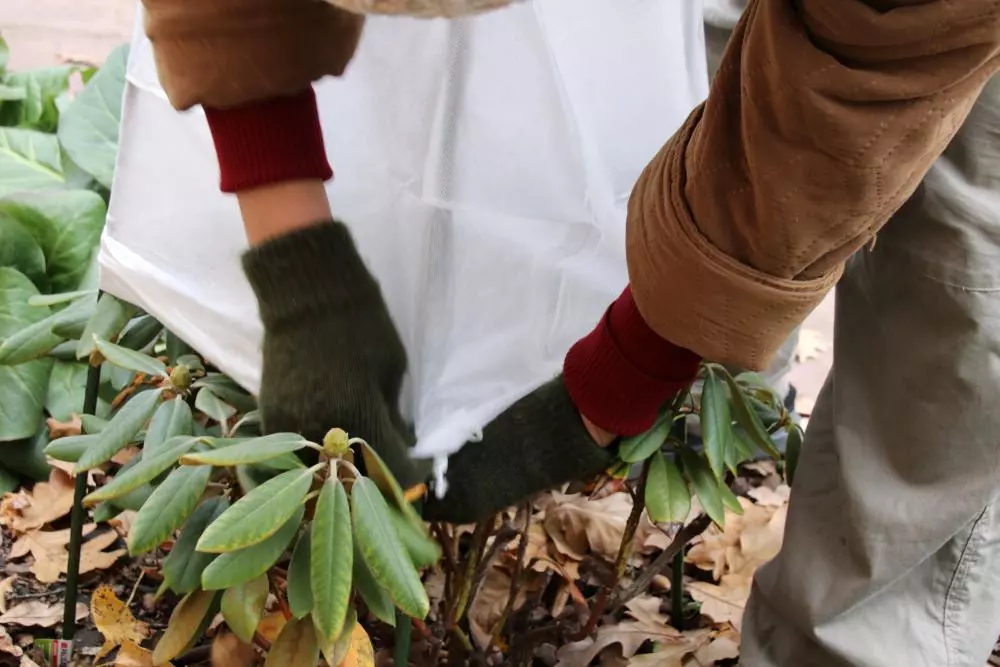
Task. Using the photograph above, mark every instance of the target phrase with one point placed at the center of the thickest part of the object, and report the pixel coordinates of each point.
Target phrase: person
(823, 118)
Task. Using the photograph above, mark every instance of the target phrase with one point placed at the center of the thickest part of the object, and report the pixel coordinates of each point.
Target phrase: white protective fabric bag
(484, 166)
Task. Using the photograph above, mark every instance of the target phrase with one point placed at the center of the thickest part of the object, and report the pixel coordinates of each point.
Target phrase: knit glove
(332, 356)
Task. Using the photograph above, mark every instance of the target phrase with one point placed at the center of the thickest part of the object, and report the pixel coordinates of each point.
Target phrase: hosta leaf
(167, 508)
(236, 567)
(19, 250)
(379, 473)
(243, 605)
(254, 450)
(705, 484)
(331, 566)
(107, 322)
(41, 86)
(67, 386)
(640, 447)
(213, 406)
(171, 419)
(424, 551)
(183, 566)
(296, 646)
(29, 160)
(70, 448)
(121, 430)
(259, 514)
(376, 598)
(130, 359)
(37, 339)
(793, 451)
(149, 468)
(186, 624)
(667, 497)
(716, 423)
(383, 551)
(300, 599)
(748, 419)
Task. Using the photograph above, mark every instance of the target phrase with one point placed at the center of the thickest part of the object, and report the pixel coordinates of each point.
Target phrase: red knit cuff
(623, 372)
(270, 141)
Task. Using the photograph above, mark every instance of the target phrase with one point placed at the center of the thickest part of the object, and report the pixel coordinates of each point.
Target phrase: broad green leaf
(300, 598)
(70, 448)
(35, 340)
(424, 551)
(793, 451)
(62, 298)
(243, 606)
(130, 359)
(378, 472)
(19, 250)
(107, 322)
(121, 430)
(331, 566)
(12, 93)
(185, 625)
(213, 406)
(667, 497)
(706, 485)
(140, 332)
(183, 566)
(236, 567)
(67, 386)
(88, 128)
(37, 109)
(23, 387)
(27, 457)
(640, 447)
(171, 419)
(65, 351)
(748, 419)
(383, 551)
(149, 468)
(259, 514)
(67, 224)
(716, 423)
(4, 55)
(254, 450)
(296, 645)
(376, 598)
(167, 508)
(29, 160)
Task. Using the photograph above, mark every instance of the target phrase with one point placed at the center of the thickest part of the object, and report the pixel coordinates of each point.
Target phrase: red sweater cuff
(270, 141)
(623, 372)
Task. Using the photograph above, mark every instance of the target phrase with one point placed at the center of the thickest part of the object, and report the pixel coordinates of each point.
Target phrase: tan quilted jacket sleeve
(223, 53)
(822, 120)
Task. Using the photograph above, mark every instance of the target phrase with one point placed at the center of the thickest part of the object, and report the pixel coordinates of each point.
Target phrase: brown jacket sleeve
(823, 118)
(223, 53)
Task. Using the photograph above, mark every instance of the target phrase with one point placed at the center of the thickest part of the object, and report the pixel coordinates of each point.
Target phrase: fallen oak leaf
(52, 558)
(114, 621)
(46, 502)
(580, 526)
(38, 613)
(725, 602)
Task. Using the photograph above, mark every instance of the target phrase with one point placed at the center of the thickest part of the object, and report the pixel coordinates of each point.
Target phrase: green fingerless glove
(332, 356)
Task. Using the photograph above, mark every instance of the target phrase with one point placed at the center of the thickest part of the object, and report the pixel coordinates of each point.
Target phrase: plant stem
(401, 651)
(479, 536)
(515, 579)
(677, 591)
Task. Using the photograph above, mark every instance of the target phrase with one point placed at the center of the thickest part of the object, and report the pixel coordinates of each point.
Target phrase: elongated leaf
(92, 423)
(19, 250)
(259, 514)
(183, 566)
(705, 484)
(148, 469)
(185, 625)
(226, 389)
(296, 645)
(70, 448)
(235, 567)
(793, 451)
(8, 482)
(331, 566)
(167, 508)
(300, 598)
(140, 333)
(748, 419)
(243, 605)
(716, 423)
(213, 406)
(29, 160)
(35, 340)
(336, 654)
(667, 497)
(107, 322)
(640, 447)
(254, 450)
(67, 386)
(378, 601)
(171, 419)
(383, 551)
(130, 359)
(378, 472)
(740, 451)
(424, 551)
(729, 499)
(62, 297)
(121, 430)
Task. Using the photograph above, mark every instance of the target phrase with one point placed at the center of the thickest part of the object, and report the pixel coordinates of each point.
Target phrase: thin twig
(515, 580)
(480, 534)
(504, 536)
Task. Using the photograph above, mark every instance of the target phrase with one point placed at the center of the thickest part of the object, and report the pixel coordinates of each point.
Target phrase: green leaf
(107, 322)
(379, 473)
(12, 93)
(254, 450)
(424, 551)
(67, 386)
(259, 514)
(376, 598)
(88, 128)
(29, 160)
(92, 424)
(27, 457)
(183, 566)
(171, 419)
(8, 482)
(706, 485)
(213, 406)
(300, 598)
(667, 497)
(186, 624)
(748, 419)
(19, 250)
(167, 508)
(37, 109)
(716, 423)
(140, 333)
(243, 606)
(149, 468)
(23, 387)
(70, 448)
(640, 447)
(226, 389)
(793, 451)
(740, 451)
(39, 338)
(236, 567)
(729, 499)
(121, 430)
(130, 359)
(4, 55)
(62, 298)
(331, 561)
(383, 551)
(336, 654)
(296, 645)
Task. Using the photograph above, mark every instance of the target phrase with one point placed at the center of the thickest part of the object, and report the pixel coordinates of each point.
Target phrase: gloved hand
(332, 356)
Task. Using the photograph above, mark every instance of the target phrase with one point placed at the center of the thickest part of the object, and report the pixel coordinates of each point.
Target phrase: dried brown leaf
(38, 613)
(6, 586)
(60, 429)
(114, 621)
(52, 558)
(133, 655)
(46, 502)
(723, 603)
(229, 651)
(7, 644)
(579, 526)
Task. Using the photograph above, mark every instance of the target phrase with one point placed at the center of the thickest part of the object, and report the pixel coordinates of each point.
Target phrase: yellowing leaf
(296, 646)
(186, 623)
(114, 621)
(360, 653)
(243, 605)
(133, 655)
(229, 651)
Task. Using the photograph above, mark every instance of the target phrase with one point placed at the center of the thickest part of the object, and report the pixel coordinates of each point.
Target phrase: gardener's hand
(332, 356)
